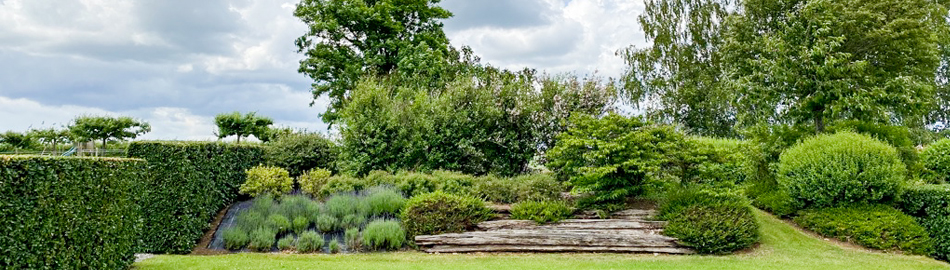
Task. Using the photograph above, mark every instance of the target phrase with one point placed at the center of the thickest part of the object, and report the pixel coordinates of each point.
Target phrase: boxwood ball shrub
(384, 235)
(300, 152)
(542, 211)
(936, 161)
(439, 212)
(235, 238)
(874, 226)
(186, 185)
(833, 170)
(310, 241)
(312, 181)
(262, 239)
(267, 180)
(69, 213)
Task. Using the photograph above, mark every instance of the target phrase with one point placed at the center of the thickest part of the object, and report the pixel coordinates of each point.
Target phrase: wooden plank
(550, 238)
(635, 214)
(599, 224)
(506, 248)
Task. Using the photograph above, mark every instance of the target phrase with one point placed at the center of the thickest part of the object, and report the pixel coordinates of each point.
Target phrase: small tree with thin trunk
(103, 128)
(242, 125)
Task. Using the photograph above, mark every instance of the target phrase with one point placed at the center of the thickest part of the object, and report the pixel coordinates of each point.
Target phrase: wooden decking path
(629, 231)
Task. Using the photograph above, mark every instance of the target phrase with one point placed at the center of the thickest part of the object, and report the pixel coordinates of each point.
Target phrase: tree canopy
(86, 128)
(244, 125)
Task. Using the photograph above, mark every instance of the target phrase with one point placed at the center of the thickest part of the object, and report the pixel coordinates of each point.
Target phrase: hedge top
(29, 157)
(198, 143)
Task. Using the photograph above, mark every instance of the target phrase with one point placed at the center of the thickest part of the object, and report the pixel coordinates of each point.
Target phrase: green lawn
(783, 247)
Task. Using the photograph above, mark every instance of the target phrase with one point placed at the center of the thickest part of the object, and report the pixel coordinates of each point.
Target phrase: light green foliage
(384, 235)
(301, 152)
(352, 238)
(286, 243)
(897, 136)
(541, 211)
(384, 201)
(352, 221)
(715, 162)
(312, 181)
(103, 128)
(251, 220)
(677, 200)
(873, 226)
(278, 222)
(267, 180)
(300, 224)
(327, 223)
(343, 204)
(92, 201)
(614, 155)
(438, 212)
(342, 184)
(309, 241)
(335, 246)
(765, 146)
(240, 125)
(936, 161)
(235, 238)
(50, 137)
(832, 170)
(262, 239)
(528, 187)
(264, 204)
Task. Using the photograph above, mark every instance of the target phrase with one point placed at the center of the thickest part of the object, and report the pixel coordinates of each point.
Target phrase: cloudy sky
(177, 63)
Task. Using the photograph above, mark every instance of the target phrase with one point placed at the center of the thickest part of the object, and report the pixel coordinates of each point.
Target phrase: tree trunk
(239, 139)
(819, 122)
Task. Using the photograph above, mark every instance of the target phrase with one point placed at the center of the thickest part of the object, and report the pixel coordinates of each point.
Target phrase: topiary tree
(839, 169)
(104, 128)
(300, 152)
(936, 161)
(242, 125)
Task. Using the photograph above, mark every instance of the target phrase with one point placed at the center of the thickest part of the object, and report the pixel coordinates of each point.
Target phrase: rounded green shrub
(352, 238)
(343, 184)
(677, 201)
(285, 243)
(936, 161)
(299, 152)
(235, 238)
(327, 223)
(542, 211)
(312, 181)
(262, 239)
(310, 241)
(873, 226)
(834, 170)
(278, 222)
(384, 201)
(352, 221)
(300, 224)
(267, 180)
(250, 220)
(384, 235)
(453, 182)
(335, 246)
(715, 229)
(439, 212)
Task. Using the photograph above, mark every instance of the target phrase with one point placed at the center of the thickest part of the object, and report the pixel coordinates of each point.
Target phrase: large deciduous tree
(348, 39)
(103, 128)
(245, 125)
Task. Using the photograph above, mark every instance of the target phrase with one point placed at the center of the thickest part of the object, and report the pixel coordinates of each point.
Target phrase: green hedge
(874, 226)
(936, 161)
(68, 213)
(189, 183)
(930, 204)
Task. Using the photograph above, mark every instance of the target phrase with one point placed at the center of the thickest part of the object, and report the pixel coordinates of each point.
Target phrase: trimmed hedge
(874, 226)
(930, 204)
(189, 183)
(69, 213)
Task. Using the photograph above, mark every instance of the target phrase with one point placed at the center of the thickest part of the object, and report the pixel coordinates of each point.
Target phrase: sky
(177, 63)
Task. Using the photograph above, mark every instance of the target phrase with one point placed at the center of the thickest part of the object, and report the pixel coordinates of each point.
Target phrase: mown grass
(783, 247)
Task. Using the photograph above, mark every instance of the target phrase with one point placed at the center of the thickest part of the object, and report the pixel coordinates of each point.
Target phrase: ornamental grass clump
(310, 241)
(384, 201)
(235, 238)
(384, 235)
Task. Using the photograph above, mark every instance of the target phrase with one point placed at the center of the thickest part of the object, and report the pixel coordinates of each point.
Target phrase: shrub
(939, 230)
(832, 170)
(936, 161)
(278, 222)
(341, 205)
(873, 226)
(294, 206)
(335, 246)
(327, 223)
(438, 212)
(188, 183)
(300, 224)
(235, 238)
(262, 239)
(250, 220)
(285, 243)
(613, 156)
(926, 201)
(453, 182)
(352, 237)
(897, 136)
(312, 181)
(532, 187)
(541, 211)
(762, 152)
(384, 201)
(309, 241)
(715, 229)
(92, 201)
(267, 180)
(343, 184)
(711, 161)
(264, 204)
(496, 189)
(412, 184)
(384, 234)
(678, 200)
(352, 221)
(300, 152)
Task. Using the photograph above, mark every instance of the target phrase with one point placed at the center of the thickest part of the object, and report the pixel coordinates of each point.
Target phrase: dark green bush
(69, 213)
(926, 201)
(235, 238)
(384, 235)
(715, 229)
(262, 239)
(678, 200)
(267, 180)
(541, 211)
(352, 238)
(300, 152)
(874, 226)
(189, 183)
(384, 201)
(936, 161)
(439, 212)
(939, 230)
(327, 223)
(833, 170)
(312, 181)
(309, 241)
(285, 243)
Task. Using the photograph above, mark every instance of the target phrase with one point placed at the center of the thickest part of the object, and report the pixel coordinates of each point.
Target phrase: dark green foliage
(384, 201)
(69, 213)
(242, 125)
(529, 187)
(301, 152)
(936, 161)
(235, 238)
(614, 156)
(327, 223)
(189, 183)
(873, 226)
(335, 246)
(541, 211)
(300, 224)
(384, 235)
(309, 241)
(278, 222)
(285, 243)
(102, 128)
(262, 239)
(676, 201)
(939, 229)
(438, 212)
(926, 201)
(719, 228)
(352, 237)
(833, 170)
(710, 161)
(17, 140)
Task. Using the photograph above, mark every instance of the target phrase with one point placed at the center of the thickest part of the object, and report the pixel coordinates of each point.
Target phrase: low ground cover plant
(542, 211)
(439, 212)
(874, 226)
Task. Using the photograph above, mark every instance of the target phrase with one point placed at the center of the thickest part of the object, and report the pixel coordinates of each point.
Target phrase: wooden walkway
(628, 231)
